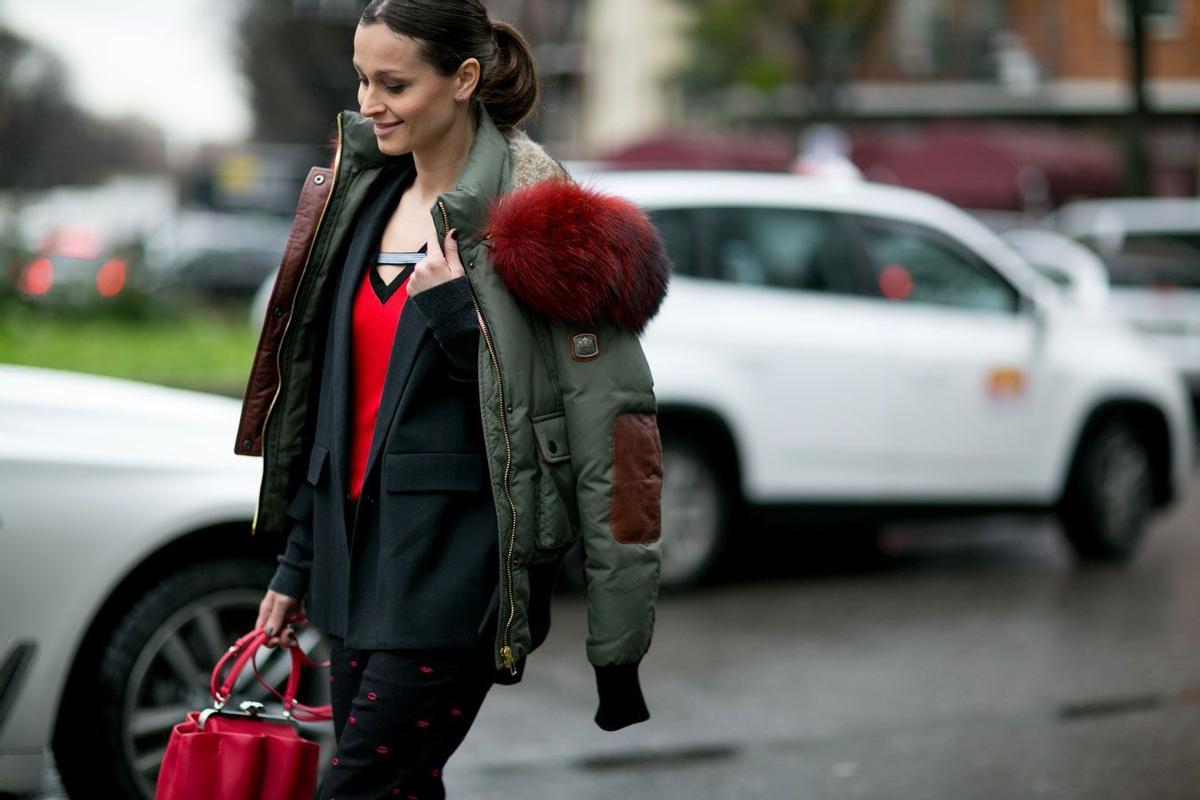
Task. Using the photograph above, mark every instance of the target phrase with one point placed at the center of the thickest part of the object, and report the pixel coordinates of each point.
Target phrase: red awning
(704, 151)
(989, 166)
(972, 164)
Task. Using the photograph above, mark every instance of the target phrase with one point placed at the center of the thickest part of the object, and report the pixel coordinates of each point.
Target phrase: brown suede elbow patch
(636, 514)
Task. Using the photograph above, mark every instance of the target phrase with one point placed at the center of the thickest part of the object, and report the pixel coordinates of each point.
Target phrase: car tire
(695, 513)
(696, 509)
(111, 743)
(1110, 495)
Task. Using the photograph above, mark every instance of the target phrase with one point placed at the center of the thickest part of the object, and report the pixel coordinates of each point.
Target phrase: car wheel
(1110, 496)
(695, 512)
(154, 667)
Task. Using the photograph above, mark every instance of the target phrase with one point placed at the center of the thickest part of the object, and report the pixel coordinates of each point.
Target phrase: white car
(128, 568)
(870, 351)
(1077, 271)
(1151, 248)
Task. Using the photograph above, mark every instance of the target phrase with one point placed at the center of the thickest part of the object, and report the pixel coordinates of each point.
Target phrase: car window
(785, 248)
(918, 265)
(677, 228)
(1152, 259)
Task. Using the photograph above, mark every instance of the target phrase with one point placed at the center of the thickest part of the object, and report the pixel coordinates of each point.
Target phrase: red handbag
(222, 754)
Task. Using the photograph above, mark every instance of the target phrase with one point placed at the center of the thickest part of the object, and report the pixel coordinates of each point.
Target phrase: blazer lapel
(364, 243)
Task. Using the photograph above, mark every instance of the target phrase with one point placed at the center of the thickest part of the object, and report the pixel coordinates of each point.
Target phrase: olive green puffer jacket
(563, 281)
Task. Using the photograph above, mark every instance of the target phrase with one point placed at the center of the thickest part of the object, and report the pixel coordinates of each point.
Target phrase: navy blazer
(415, 564)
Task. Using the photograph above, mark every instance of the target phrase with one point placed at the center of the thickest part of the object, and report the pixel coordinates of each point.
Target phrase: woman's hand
(274, 611)
(436, 268)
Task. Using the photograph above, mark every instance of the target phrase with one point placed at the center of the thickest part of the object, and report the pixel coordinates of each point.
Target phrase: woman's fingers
(452, 259)
(274, 613)
(289, 638)
(264, 610)
(437, 266)
(277, 617)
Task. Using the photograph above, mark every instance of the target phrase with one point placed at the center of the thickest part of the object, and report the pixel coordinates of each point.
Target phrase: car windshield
(1159, 258)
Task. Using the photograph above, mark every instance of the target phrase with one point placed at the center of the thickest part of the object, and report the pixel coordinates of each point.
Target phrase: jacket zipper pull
(507, 656)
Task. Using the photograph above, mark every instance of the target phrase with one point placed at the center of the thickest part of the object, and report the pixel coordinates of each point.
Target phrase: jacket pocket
(636, 512)
(555, 509)
(432, 472)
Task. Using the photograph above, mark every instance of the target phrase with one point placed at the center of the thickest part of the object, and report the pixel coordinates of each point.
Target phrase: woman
(450, 390)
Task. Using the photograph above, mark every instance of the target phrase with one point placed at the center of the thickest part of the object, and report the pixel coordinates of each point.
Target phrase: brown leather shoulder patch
(636, 513)
(264, 377)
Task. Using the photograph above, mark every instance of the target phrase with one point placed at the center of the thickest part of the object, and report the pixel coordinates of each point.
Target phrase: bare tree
(295, 56)
(46, 138)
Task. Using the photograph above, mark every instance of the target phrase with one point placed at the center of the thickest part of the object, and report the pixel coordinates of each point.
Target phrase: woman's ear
(468, 77)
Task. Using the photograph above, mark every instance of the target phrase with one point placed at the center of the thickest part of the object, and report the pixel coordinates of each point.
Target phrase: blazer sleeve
(295, 563)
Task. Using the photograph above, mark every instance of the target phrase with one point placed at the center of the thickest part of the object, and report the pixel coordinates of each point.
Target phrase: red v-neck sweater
(374, 331)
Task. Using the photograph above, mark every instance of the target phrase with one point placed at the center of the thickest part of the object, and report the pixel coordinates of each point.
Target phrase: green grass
(191, 349)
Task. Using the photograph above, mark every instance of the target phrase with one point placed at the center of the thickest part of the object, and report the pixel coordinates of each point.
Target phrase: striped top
(384, 291)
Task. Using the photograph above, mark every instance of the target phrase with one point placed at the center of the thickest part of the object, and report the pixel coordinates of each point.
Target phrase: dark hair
(450, 32)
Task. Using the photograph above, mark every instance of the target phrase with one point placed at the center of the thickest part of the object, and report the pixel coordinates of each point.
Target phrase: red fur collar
(577, 255)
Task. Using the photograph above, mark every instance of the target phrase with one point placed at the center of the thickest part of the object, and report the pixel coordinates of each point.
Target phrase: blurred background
(156, 150)
(928, 379)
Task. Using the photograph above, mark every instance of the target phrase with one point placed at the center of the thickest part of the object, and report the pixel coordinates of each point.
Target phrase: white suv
(851, 347)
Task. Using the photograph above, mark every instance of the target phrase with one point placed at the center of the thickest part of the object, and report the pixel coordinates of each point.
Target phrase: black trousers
(398, 716)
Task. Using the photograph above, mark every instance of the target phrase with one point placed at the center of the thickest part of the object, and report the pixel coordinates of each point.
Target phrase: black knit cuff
(621, 702)
(290, 581)
(451, 315)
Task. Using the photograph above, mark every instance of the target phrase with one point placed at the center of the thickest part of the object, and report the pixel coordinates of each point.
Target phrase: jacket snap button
(553, 447)
(246, 444)
(278, 311)
(319, 179)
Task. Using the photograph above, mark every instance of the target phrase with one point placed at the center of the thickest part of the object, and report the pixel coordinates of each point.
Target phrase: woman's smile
(384, 130)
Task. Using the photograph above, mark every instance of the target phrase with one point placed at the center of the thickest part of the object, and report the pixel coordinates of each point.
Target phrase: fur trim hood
(574, 254)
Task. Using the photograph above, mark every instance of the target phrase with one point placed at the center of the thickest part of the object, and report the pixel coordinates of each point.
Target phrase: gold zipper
(337, 159)
(506, 653)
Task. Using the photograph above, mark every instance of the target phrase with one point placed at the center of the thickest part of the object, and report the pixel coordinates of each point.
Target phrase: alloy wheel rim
(1124, 489)
(690, 514)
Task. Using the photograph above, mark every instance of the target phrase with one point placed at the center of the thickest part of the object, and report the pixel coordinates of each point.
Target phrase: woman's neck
(438, 167)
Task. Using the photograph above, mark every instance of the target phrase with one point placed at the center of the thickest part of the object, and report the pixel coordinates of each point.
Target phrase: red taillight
(110, 278)
(37, 277)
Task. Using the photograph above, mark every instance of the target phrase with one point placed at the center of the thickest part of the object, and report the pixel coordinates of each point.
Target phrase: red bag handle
(244, 649)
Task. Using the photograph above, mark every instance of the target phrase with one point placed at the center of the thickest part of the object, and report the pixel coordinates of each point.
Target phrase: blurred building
(1030, 58)
(1015, 104)
(632, 46)
(557, 31)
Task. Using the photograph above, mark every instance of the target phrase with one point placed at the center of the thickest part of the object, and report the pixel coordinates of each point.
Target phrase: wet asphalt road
(975, 661)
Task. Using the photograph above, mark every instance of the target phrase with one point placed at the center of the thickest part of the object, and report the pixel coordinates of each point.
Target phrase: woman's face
(412, 106)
